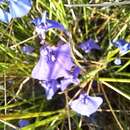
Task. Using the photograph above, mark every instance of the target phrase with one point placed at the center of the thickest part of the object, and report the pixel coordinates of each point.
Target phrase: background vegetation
(22, 97)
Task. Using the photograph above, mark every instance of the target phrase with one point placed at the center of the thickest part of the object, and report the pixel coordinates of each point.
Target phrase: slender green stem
(114, 80)
(116, 90)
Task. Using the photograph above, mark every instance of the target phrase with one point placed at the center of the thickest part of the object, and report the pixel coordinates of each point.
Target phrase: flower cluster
(17, 8)
(56, 69)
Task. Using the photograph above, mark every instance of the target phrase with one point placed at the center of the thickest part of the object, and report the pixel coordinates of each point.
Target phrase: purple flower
(55, 69)
(86, 105)
(27, 49)
(23, 123)
(89, 45)
(43, 24)
(17, 8)
(117, 61)
(54, 62)
(119, 43)
(48, 25)
(123, 46)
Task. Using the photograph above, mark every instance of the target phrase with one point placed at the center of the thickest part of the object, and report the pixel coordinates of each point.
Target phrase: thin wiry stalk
(20, 88)
(89, 87)
(9, 124)
(116, 111)
(116, 90)
(104, 4)
(74, 17)
(5, 97)
(80, 122)
(24, 41)
(72, 11)
(21, 85)
(67, 109)
(113, 113)
(37, 6)
(74, 51)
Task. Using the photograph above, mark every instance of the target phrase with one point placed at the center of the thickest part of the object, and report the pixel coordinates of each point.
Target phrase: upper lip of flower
(46, 24)
(56, 60)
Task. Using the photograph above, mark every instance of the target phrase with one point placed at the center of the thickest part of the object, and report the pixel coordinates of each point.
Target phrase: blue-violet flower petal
(86, 105)
(50, 87)
(19, 8)
(89, 45)
(4, 16)
(27, 49)
(23, 123)
(123, 46)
